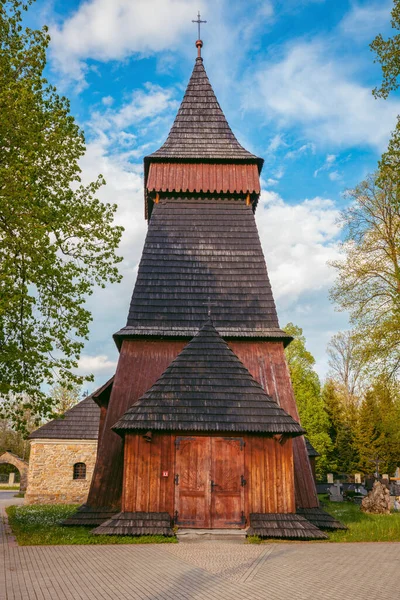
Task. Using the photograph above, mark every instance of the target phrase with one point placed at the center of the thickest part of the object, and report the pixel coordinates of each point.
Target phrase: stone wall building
(63, 455)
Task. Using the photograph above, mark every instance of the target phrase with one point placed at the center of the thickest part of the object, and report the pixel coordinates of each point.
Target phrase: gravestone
(357, 478)
(329, 477)
(335, 492)
(377, 501)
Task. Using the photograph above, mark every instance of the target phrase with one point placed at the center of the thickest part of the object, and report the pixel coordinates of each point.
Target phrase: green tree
(64, 398)
(342, 412)
(57, 240)
(378, 434)
(387, 53)
(307, 391)
(368, 276)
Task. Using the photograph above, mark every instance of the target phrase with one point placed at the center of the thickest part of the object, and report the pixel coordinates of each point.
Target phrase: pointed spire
(200, 130)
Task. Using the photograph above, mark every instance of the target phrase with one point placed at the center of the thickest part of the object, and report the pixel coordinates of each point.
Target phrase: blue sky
(294, 78)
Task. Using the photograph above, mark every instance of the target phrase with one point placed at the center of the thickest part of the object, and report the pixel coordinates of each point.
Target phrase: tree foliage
(368, 276)
(307, 391)
(57, 240)
(378, 430)
(388, 55)
(346, 362)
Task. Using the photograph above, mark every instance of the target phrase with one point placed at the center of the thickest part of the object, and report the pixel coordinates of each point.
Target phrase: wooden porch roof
(207, 388)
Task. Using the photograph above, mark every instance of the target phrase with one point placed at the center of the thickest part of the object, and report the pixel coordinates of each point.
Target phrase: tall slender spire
(200, 130)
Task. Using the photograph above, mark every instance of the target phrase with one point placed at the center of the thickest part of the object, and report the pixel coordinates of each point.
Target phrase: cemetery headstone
(330, 477)
(335, 492)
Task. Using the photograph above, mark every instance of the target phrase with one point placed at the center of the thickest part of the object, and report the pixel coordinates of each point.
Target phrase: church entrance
(209, 482)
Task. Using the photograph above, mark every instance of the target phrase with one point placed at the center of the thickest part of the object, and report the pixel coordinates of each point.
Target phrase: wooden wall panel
(267, 363)
(144, 487)
(140, 364)
(270, 478)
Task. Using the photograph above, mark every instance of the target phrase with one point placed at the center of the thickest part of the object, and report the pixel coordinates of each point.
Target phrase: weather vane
(198, 21)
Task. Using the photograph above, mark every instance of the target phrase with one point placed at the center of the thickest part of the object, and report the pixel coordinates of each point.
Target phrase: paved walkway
(200, 571)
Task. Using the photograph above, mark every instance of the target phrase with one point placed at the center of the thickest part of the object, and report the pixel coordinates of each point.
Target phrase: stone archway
(21, 465)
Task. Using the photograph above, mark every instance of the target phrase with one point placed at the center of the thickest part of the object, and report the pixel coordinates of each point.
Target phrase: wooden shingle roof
(198, 249)
(200, 130)
(311, 451)
(81, 422)
(207, 388)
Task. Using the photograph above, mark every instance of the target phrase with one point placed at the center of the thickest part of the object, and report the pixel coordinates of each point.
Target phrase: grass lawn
(40, 525)
(9, 487)
(362, 527)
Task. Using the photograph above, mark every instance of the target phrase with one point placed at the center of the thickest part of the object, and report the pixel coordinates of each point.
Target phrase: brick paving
(212, 570)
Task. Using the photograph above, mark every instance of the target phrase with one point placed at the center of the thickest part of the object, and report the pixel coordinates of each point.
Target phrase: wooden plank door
(192, 481)
(227, 483)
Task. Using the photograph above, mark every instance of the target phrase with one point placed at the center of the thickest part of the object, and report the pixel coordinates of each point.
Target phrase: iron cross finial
(198, 21)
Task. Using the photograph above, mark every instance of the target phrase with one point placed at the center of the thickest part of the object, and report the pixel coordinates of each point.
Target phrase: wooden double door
(209, 482)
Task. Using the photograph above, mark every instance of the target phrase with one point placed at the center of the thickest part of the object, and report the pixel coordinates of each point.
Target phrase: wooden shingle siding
(200, 249)
(203, 177)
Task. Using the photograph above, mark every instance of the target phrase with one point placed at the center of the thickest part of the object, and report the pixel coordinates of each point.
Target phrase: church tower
(202, 355)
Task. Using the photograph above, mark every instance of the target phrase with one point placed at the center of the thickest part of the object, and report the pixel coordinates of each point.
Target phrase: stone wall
(50, 477)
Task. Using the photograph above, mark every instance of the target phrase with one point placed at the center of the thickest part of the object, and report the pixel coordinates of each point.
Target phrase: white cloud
(330, 160)
(107, 30)
(365, 21)
(298, 240)
(94, 364)
(308, 88)
(107, 100)
(335, 176)
(294, 154)
(275, 143)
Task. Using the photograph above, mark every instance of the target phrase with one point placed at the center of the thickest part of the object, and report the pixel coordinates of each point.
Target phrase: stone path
(212, 570)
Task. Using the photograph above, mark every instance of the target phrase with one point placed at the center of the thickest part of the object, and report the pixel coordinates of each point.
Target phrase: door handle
(213, 485)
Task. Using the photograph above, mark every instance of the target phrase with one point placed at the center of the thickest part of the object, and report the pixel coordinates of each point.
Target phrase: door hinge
(242, 481)
(176, 479)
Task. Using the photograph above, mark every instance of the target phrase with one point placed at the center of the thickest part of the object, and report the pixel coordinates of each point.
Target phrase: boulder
(377, 501)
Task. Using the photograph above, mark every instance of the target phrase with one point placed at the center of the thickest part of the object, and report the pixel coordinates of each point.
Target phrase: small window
(79, 471)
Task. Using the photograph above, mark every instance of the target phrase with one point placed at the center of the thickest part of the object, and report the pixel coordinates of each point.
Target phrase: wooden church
(200, 427)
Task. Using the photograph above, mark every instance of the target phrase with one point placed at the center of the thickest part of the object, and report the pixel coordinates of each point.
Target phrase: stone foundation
(51, 464)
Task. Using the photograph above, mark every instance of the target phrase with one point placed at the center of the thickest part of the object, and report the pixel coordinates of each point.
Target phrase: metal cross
(209, 304)
(198, 22)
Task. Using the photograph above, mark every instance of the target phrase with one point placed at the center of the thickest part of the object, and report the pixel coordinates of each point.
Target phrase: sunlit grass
(362, 527)
(40, 525)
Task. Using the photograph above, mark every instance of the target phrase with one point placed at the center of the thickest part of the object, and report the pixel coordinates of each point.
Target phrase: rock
(377, 501)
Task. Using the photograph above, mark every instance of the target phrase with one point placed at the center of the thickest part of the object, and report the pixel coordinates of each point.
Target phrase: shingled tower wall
(201, 191)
